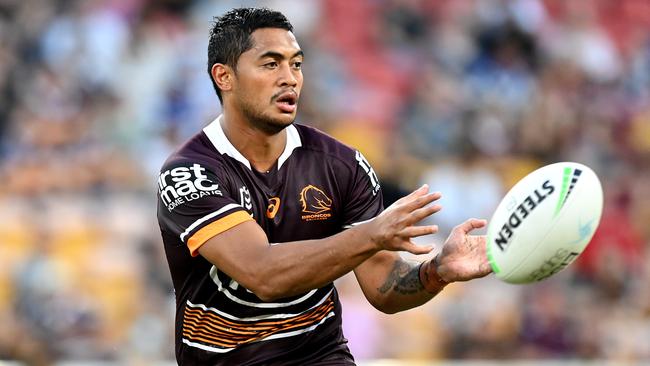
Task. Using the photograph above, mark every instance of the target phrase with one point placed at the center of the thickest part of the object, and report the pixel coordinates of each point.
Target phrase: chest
(294, 203)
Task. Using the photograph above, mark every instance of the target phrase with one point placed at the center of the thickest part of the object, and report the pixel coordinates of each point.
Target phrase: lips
(287, 102)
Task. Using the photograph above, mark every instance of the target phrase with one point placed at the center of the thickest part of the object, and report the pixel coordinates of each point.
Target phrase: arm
(277, 271)
(392, 284)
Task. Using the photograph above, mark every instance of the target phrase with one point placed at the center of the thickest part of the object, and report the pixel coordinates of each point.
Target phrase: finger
(424, 212)
(470, 225)
(418, 192)
(415, 231)
(421, 201)
(417, 249)
(422, 190)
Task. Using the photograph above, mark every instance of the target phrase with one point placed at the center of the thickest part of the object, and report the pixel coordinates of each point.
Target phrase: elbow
(260, 283)
(271, 285)
(270, 294)
(385, 306)
(267, 293)
(389, 309)
(268, 290)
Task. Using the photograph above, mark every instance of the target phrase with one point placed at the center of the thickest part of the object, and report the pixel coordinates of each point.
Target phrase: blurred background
(467, 96)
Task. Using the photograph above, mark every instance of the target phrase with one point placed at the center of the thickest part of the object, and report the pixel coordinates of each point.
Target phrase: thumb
(469, 225)
(417, 249)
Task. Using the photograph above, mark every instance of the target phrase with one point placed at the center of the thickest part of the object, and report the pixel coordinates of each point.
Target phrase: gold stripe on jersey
(214, 228)
(214, 330)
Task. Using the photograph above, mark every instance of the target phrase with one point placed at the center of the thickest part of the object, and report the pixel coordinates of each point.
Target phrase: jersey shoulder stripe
(216, 227)
(228, 207)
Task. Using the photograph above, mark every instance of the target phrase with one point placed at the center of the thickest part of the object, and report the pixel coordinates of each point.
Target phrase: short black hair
(230, 35)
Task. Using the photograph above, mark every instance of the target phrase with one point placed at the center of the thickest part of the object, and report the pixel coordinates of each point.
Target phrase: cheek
(258, 90)
(300, 83)
(249, 93)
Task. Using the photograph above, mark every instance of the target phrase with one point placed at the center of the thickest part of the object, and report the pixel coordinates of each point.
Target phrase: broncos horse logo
(314, 200)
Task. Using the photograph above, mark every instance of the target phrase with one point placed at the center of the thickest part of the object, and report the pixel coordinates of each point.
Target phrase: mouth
(287, 102)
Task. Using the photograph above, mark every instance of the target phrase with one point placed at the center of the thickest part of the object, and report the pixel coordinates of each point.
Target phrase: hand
(394, 228)
(463, 256)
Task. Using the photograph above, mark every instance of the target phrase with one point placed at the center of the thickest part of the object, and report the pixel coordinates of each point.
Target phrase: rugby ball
(544, 222)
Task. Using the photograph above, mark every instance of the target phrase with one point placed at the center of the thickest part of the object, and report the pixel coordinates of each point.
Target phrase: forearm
(281, 270)
(403, 288)
(293, 268)
(407, 284)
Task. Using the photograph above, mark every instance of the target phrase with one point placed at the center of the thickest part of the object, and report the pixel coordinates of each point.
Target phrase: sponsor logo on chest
(183, 184)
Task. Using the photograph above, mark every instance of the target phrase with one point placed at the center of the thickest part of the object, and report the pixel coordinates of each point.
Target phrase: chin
(278, 124)
(275, 123)
(285, 119)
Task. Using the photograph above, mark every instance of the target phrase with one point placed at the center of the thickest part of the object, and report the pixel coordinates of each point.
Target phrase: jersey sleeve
(194, 204)
(364, 200)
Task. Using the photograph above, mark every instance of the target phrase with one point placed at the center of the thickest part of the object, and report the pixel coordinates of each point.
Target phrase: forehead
(273, 39)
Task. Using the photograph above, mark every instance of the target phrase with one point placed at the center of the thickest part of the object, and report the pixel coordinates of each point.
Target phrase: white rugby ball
(544, 222)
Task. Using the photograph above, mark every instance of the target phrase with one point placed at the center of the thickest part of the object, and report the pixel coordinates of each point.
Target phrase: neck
(261, 149)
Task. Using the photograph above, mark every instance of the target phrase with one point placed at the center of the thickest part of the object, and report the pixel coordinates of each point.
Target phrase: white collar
(215, 133)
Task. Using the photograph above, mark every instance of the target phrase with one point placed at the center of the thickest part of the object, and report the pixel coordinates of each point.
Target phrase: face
(267, 83)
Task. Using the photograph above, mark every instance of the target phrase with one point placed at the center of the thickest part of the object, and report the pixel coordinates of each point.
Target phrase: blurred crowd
(465, 95)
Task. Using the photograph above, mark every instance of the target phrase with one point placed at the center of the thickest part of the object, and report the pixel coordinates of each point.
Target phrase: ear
(222, 76)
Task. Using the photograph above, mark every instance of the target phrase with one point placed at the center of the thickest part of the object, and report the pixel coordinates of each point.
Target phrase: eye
(271, 65)
(297, 65)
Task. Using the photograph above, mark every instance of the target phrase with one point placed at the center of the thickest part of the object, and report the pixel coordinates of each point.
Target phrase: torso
(317, 188)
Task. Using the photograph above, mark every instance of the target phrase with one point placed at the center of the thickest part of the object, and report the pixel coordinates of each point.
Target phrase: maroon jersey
(317, 188)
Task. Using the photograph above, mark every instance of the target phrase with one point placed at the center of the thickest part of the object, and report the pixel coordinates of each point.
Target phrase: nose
(287, 76)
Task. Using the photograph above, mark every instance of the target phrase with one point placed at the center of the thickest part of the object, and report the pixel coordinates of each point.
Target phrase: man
(260, 215)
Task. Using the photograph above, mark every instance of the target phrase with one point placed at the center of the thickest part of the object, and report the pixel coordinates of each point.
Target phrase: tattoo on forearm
(404, 279)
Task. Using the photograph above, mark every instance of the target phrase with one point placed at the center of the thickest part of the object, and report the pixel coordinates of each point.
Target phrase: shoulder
(194, 169)
(320, 143)
(196, 150)
(343, 155)
(195, 165)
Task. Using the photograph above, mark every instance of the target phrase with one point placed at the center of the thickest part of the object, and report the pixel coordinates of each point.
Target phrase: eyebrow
(278, 55)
